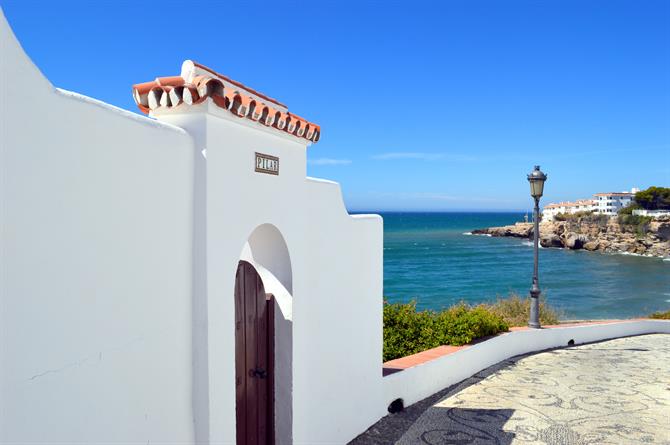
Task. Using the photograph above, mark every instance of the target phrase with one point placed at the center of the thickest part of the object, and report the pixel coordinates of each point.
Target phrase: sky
(426, 106)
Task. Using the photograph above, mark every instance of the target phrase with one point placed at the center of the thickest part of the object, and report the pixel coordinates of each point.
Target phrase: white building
(611, 203)
(602, 203)
(550, 211)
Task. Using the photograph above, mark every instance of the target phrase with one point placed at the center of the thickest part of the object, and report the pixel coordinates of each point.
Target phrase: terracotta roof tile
(615, 194)
(244, 102)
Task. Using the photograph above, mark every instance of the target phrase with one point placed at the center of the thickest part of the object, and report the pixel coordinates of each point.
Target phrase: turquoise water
(429, 258)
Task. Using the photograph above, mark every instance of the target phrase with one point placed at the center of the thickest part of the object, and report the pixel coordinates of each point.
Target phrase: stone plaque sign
(267, 164)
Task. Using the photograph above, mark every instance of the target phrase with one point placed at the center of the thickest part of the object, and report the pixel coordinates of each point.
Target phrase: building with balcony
(611, 203)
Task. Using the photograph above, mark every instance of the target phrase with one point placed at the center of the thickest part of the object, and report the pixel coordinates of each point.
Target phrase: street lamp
(536, 179)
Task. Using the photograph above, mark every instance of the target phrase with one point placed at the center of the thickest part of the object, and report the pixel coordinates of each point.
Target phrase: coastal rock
(518, 230)
(550, 240)
(661, 227)
(596, 233)
(591, 245)
(575, 241)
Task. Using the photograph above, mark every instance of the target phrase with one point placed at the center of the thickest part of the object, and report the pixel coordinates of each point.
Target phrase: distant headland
(634, 223)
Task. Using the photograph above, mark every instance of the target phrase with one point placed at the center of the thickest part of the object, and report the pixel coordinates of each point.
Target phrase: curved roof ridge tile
(173, 91)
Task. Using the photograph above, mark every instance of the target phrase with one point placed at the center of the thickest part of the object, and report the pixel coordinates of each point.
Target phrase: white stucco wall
(336, 265)
(96, 232)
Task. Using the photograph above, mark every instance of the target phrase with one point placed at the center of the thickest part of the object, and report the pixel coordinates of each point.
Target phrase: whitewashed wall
(96, 231)
(336, 269)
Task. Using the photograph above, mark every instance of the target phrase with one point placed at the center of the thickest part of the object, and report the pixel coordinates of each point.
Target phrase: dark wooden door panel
(253, 359)
(251, 347)
(262, 361)
(240, 358)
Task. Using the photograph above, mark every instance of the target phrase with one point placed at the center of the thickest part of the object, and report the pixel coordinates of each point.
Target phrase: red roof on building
(201, 83)
(615, 194)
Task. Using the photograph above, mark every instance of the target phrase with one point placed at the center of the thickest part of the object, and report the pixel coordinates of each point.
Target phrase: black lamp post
(536, 179)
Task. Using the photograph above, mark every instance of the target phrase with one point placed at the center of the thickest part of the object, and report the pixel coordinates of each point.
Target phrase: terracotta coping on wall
(176, 91)
(402, 363)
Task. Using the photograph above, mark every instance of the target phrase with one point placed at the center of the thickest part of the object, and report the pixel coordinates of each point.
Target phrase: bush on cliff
(639, 224)
(583, 216)
(408, 331)
(515, 310)
(628, 210)
(572, 216)
(661, 315)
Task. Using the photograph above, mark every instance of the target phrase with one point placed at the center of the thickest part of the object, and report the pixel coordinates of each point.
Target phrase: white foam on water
(467, 233)
(636, 254)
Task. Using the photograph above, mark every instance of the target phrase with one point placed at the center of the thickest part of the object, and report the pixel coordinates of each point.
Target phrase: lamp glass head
(536, 179)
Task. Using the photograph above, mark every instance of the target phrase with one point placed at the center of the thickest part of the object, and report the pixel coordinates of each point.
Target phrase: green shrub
(637, 223)
(628, 210)
(661, 315)
(572, 216)
(586, 215)
(515, 310)
(654, 198)
(634, 220)
(461, 324)
(408, 331)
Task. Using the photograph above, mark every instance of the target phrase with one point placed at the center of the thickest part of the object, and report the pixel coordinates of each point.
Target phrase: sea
(434, 259)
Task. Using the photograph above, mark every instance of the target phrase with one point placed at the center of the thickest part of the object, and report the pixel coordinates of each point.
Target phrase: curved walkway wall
(420, 381)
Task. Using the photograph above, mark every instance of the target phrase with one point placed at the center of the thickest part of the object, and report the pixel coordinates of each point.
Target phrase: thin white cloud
(328, 161)
(422, 156)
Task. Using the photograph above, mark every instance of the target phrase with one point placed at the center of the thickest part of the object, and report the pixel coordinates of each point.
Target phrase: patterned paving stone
(613, 392)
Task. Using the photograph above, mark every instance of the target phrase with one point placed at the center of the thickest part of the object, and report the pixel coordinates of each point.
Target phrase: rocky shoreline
(603, 234)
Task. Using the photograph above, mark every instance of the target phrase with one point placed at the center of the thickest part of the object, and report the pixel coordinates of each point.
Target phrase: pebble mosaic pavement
(611, 392)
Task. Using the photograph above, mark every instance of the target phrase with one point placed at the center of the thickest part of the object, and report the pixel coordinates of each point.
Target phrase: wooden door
(254, 355)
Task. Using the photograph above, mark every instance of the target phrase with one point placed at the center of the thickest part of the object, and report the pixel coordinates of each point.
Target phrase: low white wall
(416, 383)
(654, 213)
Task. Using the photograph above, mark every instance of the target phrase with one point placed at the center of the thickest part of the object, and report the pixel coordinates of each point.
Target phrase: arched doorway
(267, 251)
(254, 358)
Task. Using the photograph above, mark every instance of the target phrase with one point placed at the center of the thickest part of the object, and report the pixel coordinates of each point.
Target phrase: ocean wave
(530, 244)
(477, 234)
(638, 255)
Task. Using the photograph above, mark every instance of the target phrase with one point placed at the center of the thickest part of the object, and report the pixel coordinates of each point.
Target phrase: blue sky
(423, 105)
